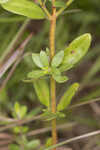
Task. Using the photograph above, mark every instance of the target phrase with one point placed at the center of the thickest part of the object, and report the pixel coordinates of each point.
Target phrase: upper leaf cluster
(62, 61)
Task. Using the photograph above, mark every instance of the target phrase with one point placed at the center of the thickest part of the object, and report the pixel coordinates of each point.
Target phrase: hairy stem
(52, 81)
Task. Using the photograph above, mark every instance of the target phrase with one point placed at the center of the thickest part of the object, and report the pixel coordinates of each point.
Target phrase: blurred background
(83, 115)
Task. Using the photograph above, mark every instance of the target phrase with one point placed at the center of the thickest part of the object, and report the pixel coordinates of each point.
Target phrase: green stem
(66, 6)
(52, 81)
(45, 10)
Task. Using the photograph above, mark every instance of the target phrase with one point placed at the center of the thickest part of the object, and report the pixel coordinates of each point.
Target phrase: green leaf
(48, 115)
(59, 4)
(68, 3)
(14, 147)
(57, 75)
(48, 142)
(17, 109)
(24, 7)
(75, 51)
(20, 111)
(24, 129)
(3, 1)
(55, 71)
(67, 97)
(33, 144)
(3, 96)
(37, 61)
(23, 111)
(60, 79)
(42, 91)
(20, 129)
(47, 51)
(44, 59)
(57, 59)
(36, 74)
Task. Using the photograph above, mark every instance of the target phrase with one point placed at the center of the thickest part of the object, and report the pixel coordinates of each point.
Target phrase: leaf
(57, 59)
(3, 1)
(67, 97)
(17, 109)
(68, 3)
(48, 142)
(33, 144)
(36, 74)
(57, 75)
(37, 61)
(14, 147)
(47, 51)
(75, 51)
(59, 4)
(44, 59)
(23, 111)
(42, 91)
(55, 71)
(20, 129)
(48, 115)
(24, 7)
(60, 79)
(34, 112)
(20, 111)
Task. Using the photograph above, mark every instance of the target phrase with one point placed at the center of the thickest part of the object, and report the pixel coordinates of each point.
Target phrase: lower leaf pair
(42, 91)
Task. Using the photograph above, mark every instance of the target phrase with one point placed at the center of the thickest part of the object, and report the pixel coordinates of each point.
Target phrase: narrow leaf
(42, 91)
(44, 59)
(23, 111)
(67, 97)
(23, 7)
(36, 74)
(60, 79)
(57, 59)
(17, 109)
(37, 61)
(75, 51)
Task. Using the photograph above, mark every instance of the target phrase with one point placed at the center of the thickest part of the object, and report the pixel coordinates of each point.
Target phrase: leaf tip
(88, 36)
(76, 85)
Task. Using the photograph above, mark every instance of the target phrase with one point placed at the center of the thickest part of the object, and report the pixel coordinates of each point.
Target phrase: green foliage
(44, 59)
(33, 144)
(56, 74)
(59, 3)
(37, 60)
(24, 7)
(48, 142)
(3, 95)
(41, 60)
(75, 51)
(19, 129)
(42, 91)
(57, 59)
(48, 115)
(14, 147)
(20, 111)
(36, 74)
(69, 2)
(60, 63)
(28, 145)
(59, 78)
(67, 97)
(3, 1)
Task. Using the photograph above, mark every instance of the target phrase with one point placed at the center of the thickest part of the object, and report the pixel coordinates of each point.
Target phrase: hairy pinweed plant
(49, 63)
